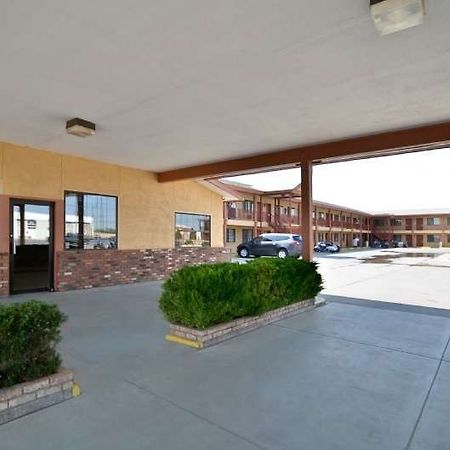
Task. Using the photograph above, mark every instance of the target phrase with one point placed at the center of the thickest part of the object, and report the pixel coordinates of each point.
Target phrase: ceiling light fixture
(391, 16)
(80, 127)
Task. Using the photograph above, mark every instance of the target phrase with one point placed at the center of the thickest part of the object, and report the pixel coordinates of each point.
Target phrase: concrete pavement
(343, 376)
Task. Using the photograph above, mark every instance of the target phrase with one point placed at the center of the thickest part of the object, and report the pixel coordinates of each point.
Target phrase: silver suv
(272, 244)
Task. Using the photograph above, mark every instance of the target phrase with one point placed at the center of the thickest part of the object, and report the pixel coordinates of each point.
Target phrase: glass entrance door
(31, 246)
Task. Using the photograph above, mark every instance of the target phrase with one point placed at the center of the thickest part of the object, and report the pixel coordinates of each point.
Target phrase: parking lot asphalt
(406, 276)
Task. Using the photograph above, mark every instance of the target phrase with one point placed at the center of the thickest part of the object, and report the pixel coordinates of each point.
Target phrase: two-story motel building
(253, 211)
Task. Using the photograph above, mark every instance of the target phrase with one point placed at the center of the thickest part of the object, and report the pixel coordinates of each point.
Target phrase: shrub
(205, 295)
(29, 333)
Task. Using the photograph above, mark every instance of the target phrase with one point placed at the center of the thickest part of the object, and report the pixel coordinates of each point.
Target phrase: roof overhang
(227, 194)
(426, 137)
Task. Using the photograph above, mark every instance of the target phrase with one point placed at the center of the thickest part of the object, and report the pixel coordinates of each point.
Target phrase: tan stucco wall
(146, 207)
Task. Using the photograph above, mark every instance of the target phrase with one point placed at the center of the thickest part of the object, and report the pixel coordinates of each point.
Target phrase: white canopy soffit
(174, 83)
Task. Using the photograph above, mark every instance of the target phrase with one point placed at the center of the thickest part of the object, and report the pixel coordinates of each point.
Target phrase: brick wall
(22, 399)
(4, 274)
(83, 269)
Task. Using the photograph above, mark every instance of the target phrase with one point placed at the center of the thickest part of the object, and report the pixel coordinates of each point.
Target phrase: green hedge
(29, 333)
(205, 295)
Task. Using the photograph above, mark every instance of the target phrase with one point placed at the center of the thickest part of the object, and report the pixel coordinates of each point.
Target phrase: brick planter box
(218, 333)
(25, 398)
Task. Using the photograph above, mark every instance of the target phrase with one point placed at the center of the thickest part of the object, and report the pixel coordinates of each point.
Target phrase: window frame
(436, 221)
(249, 231)
(248, 206)
(81, 194)
(227, 237)
(191, 214)
(395, 222)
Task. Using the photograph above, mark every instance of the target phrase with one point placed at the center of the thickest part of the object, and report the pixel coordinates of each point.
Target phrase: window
(192, 230)
(247, 234)
(396, 222)
(433, 221)
(277, 238)
(321, 215)
(336, 217)
(448, 238)
(448, 221)
(433, 239)
(231, 234)
(231, 210)
(90, 221)
(378, 222)
(248, 206)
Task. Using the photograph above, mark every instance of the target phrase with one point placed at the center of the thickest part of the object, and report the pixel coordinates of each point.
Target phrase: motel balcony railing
(441, 226)
(286, 219)
(239, 214)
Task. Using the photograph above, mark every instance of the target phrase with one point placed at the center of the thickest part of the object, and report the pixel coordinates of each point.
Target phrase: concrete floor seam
(298, 330)
(422, 409)
(198, 416)
(388, 306)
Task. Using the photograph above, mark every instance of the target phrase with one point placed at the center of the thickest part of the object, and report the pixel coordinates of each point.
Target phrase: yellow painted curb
(184, 341)
(76, 391)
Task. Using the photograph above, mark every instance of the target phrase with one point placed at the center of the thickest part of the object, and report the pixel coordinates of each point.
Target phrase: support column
(255, 226)
(307, 206)
(290, 215)
(260, 214)
(330, 224)
(315, 226)
(225, 222)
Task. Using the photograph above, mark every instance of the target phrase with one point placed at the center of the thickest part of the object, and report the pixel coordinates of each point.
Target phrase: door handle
(13, 243)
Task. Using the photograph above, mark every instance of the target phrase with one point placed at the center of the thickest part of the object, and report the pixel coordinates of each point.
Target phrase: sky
(394, 183)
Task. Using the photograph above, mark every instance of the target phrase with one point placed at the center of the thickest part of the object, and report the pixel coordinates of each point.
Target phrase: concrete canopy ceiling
(174, 83)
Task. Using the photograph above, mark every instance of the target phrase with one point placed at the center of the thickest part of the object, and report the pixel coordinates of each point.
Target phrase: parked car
(100, 243)
(389, 244)
(381, 244)
(272, 244)
(327, 246)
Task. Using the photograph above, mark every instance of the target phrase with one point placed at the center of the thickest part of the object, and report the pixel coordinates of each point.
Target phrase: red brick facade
(4, 274)
(83, 269)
